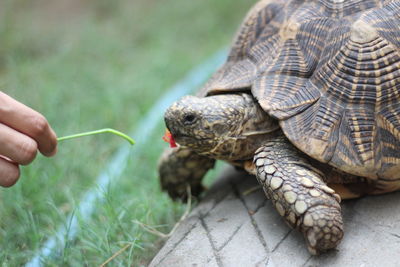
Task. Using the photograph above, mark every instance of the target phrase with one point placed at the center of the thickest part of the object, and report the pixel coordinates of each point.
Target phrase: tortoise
(308, 101)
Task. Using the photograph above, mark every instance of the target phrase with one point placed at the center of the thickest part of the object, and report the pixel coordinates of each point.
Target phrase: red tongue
(169, 138)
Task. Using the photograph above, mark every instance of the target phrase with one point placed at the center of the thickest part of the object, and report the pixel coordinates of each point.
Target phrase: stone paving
(235, 225)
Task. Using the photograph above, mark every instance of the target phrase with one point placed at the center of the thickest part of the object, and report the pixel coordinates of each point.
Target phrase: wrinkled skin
(226, 127)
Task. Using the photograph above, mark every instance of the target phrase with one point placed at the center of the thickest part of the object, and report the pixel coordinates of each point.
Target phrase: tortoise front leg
(299, 194)
(181, 167)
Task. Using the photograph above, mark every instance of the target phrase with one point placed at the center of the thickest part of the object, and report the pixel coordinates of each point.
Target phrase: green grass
(87, 65)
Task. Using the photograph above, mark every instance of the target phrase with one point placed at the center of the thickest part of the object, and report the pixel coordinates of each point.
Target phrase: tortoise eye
(189, 119)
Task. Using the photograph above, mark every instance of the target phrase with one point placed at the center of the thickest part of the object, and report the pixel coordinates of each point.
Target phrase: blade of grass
(105, 130)
(116, 254)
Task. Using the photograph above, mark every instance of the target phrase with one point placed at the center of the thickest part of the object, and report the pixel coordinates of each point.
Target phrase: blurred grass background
(89, 64)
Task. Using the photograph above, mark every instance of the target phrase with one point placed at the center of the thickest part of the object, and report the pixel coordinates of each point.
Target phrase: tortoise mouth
(198, 144)
(180, 136)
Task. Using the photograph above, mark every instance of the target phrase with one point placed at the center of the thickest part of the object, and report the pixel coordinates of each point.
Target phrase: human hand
(23, 131)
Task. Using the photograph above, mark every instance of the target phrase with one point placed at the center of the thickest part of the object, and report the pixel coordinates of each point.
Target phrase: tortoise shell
(329, 71)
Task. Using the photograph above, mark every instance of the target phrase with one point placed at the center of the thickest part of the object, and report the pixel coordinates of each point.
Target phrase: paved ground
(231, 227)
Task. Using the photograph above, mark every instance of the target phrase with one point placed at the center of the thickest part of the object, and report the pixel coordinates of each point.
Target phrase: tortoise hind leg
(299, 194)
(181, 167)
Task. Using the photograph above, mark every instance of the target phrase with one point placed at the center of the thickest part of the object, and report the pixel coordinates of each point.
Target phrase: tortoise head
(228, 127)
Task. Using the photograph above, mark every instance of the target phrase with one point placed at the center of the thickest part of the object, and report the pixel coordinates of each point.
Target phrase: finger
(16, 146)
(9, 173)
(28, 121)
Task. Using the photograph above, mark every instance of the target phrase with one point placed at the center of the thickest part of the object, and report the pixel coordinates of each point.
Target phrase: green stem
(106, 130)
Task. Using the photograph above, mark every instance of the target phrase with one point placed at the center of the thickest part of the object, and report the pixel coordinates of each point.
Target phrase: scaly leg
(181, 167)
(299, 194)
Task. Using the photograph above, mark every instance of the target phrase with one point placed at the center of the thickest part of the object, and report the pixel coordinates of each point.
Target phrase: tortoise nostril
(189, 119)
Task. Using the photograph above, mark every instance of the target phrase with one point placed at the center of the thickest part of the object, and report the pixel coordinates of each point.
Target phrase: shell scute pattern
(329, 70)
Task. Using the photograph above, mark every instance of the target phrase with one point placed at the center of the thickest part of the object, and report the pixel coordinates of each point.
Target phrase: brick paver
(235, 226)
